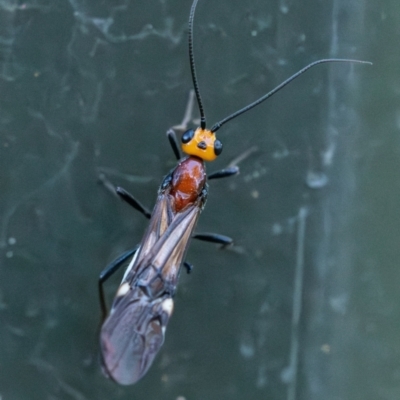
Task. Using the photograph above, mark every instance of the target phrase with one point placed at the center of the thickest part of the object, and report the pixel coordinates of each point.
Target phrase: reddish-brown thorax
(188, 180)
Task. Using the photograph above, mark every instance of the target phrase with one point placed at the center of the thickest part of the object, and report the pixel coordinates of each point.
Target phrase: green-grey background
(310, 306)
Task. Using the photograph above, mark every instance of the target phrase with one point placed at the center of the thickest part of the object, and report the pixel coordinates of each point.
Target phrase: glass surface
(306, 305)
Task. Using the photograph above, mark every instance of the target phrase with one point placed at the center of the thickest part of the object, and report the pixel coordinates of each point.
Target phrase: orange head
(201, 143)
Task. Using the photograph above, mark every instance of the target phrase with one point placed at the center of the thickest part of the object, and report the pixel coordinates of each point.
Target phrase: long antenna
(279, 87)
(193, 67)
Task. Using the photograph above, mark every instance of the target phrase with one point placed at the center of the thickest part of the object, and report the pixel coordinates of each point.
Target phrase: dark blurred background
(308, 306)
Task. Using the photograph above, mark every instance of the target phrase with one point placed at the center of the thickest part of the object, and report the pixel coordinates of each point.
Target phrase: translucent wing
(131, 337)
(134, 331)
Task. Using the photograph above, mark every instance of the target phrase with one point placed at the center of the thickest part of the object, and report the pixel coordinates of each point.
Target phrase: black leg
(173, 141)
(214, 238)
(187, 118)
(223, 240)
(224, 173)
(232, 168)
(107, 272)
(133, 202)
(124, 195)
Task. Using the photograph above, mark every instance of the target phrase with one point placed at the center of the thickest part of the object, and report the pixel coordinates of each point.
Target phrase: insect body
(133, 332)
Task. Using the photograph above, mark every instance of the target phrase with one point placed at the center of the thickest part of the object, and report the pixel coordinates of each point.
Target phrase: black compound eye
(187, 136)
(217, 147)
